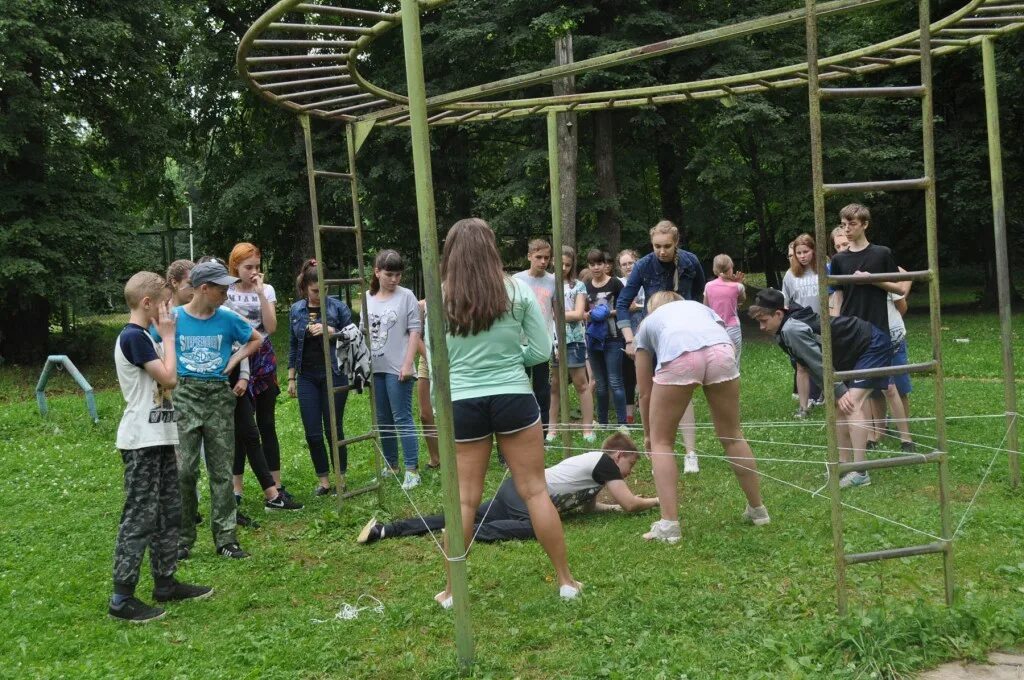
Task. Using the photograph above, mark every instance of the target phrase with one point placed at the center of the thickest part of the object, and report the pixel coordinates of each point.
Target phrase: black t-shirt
(605, 295)
(865, 301)
(312, 347)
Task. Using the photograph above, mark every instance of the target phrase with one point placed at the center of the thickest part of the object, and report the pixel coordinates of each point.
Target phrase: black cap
(770, 299)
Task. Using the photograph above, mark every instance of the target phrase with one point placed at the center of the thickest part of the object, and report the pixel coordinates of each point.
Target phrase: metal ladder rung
(993, 9)
(958, 42)
(289, 72)
(356, 439)
(967, 31)
(894, 553)
(906, 50)
(342, 388)
(290, 58)
(304, 43)
(361, 490)
(890, 277)
(885, 371)
(342, 282)
(346, 11)
(884, 185)
(863, 92)
(336, 228)
(334, 175)
(974, 21)
(321, 28)
(896, 461)
(305, 81)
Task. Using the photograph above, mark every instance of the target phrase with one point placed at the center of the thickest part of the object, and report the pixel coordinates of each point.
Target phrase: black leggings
(266, 403)
(247, 443)
(540, 376)
(501, 524)
(629, 379)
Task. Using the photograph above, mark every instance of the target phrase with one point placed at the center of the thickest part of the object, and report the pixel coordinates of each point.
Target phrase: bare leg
(875, 410)
(899, 413)
(427, 420)
(688, 426)
(524, 452)
(668, 406)
(803, 385)
(472, 458)
(724, 403)
(582, 384)
(859, 430)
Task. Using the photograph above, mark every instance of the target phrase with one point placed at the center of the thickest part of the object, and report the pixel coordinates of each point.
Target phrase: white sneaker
(568, 592)
(550, 437)
(590, 438)
(444, 600)
(411, 481)
(757, 516)
(664, 530)
(854, 479)
(690, 465)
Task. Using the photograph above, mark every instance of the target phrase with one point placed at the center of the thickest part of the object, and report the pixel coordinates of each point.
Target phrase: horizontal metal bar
(289, 72)
(893, 553)
(334, 175)
(305, 81)
(897, 461)
(357, 438)
(346, 11)
(357, 107)
(439, 116)
(959, 42)
(974, 21)
(291, 58)
(361, 490)
(884, 185)
(322, 28)
(855, 92)
(337, 228)
(877, 60)
(885, 371)
(967, 31)
(906, 50)
(336, 100)
(992, 9)
(889, 277)
(291, 96)
(844, 69)
(303, 43)
(342, 282)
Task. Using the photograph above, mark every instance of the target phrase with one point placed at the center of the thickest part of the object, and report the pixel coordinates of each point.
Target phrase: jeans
(394, 419)
(607, 365)
(314, 409)
(540, 376)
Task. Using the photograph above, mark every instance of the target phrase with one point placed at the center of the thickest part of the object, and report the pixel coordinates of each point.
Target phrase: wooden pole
(559, 299)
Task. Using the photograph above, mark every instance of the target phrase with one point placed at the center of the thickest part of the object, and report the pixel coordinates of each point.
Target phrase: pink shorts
(706, 366)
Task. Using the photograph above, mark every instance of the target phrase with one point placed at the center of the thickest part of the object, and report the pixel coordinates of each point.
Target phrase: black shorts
(480, 417)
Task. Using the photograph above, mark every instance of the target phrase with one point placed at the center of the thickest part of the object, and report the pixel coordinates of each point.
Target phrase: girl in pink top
(724, 294)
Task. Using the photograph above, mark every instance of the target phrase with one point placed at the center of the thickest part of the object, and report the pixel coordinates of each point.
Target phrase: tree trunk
(609, 227)
(670, 177)
(568, 143)
(304, 245)
(766, 233)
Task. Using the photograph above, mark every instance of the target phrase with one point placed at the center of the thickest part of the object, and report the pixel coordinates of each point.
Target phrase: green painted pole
(559, 300)
(934, 299)
(436, 328)
(995, 164)
(820, 241)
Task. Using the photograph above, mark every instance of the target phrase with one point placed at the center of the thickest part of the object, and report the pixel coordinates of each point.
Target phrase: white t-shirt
(679, 327)
(247, 305)
(575, 481)
(897, 329)
(149, 416)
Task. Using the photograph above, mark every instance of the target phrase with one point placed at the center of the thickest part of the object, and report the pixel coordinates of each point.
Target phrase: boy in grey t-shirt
(542, 283)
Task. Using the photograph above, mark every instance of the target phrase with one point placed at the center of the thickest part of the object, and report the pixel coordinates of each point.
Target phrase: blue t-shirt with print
(204, 345)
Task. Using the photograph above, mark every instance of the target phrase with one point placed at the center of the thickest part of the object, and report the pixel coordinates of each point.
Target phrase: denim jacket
(649, 275)
(338, 315)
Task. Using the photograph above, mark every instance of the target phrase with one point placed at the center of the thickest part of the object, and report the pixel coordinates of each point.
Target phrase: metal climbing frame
(926, 183)
(355, 229)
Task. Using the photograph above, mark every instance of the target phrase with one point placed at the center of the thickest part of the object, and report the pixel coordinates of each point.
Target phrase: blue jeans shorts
(877, 355)
(899, 358)
(576, 352)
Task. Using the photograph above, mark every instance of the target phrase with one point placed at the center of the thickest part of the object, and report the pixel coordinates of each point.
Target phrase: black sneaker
(908, 447)
(371, 533)
(284, 492)
(184, 552)
(325, 491)
(281, 503)
(181, 591)
(135, 611)
(232, 550)
(243, 520)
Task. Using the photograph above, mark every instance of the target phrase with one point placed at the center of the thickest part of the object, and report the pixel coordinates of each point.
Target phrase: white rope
(995, 455)
(349, 612)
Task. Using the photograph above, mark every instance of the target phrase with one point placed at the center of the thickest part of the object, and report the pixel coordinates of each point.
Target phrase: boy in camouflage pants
(146, 437)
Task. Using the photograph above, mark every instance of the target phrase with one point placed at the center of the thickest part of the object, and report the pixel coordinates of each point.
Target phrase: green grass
(729, 601)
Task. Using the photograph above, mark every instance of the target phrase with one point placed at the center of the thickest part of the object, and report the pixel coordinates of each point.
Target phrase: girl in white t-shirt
(692, 348)
(800, 286)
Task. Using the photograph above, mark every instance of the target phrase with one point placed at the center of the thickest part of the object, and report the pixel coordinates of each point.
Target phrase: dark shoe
(908, 447)
(284, 492)
(371, 533)
(281, 503)
(181, 591)
(325, 491)
(232, 550)
(871, 446)
(243, 520)
(135, 611)
(184, 552)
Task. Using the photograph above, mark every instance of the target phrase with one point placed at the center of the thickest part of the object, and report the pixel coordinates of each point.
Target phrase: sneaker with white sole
(133, 610)
(590, 438)
(664, 530)
(176, 591)
(854, 479)
(411, 481)
(570, 592)
(282, 502)
(757, 516)
(690, 464)
(371, 533)
(550, 437)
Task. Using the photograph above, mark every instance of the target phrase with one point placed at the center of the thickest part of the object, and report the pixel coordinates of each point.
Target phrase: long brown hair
(387, 261)
(472, 278)
(306, 277)
(795, 267)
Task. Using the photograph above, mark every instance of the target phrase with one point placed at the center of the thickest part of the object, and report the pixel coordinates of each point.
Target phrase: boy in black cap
(206, 405)
(856, 344)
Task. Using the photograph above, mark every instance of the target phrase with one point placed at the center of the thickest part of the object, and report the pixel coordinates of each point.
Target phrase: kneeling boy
(573, 485)
(856, 344)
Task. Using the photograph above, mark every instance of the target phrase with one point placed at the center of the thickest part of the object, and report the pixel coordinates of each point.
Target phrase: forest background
(116, 117)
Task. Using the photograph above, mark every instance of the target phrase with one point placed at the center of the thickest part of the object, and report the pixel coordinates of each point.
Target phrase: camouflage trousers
(151, 517)
(206, 422)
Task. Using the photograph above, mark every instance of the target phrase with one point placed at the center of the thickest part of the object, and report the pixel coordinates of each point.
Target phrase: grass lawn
(729, 601)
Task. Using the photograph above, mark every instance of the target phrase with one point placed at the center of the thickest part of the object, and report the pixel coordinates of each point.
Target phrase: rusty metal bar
(896, 461)
(342, 282)
(884, 185)
(895, 553)
(885, 371)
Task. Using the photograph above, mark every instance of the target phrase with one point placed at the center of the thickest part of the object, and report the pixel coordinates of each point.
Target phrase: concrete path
(1001, 666)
